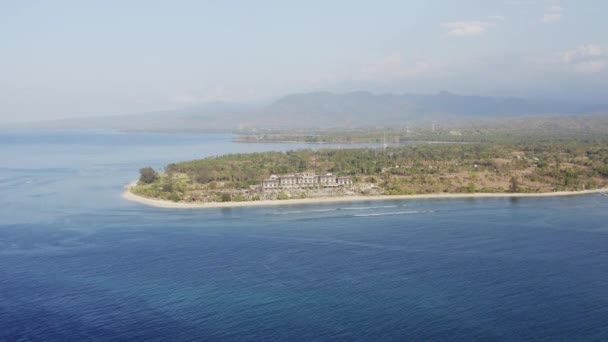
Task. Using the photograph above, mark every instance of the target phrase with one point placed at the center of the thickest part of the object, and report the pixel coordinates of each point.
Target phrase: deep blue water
(79, 263)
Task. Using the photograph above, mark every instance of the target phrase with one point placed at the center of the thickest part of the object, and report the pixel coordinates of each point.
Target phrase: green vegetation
(415, 169)
(557, 129)
(514, 185)
(148, 175)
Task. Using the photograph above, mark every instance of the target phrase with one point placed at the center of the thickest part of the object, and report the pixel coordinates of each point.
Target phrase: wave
(395, 213)
(302, 211)
(369, 208)
(335, 209)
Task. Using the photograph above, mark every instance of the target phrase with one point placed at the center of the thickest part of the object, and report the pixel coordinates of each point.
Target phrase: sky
(62, 59)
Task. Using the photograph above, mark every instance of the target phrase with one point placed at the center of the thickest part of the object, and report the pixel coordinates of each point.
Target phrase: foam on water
(312, 211)
(395, 213)
(376, 207)
(302, 211)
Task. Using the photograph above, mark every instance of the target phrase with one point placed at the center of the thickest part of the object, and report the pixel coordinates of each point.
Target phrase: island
(350, 174)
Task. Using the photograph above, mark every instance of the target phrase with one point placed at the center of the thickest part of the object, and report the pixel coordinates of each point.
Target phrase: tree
(514, 186)
(168, 185)
(148, 175)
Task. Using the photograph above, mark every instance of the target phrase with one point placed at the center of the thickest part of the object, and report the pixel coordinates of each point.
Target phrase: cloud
(551, 17)
(584, 51)
(591, 67)
(590, 58)
(553, 14)
(466, 28)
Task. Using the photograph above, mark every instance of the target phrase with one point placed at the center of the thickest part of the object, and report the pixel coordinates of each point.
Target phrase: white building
(305, 180)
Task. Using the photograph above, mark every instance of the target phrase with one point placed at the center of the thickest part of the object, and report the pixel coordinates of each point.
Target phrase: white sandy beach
(128, 195)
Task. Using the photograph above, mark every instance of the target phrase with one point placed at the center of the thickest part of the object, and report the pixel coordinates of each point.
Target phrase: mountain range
(326, 110)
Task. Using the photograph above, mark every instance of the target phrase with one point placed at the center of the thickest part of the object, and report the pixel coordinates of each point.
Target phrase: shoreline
(128, 195)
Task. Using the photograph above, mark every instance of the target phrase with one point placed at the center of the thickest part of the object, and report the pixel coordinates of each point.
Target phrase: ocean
(79, 263)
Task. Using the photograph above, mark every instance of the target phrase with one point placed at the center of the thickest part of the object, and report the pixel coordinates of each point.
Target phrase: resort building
(305, 180)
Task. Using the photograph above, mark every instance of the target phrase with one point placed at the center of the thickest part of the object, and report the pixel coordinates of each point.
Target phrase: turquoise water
(77, 262)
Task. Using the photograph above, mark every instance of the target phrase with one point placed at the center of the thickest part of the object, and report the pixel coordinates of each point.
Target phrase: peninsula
(333, 175)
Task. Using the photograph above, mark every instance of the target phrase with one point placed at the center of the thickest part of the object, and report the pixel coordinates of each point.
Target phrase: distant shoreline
(370, 143)
(128, 195)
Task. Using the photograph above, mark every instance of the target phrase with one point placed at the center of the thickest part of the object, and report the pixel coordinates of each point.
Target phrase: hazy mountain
(331, 110)
(356, 109)
(215, 116)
